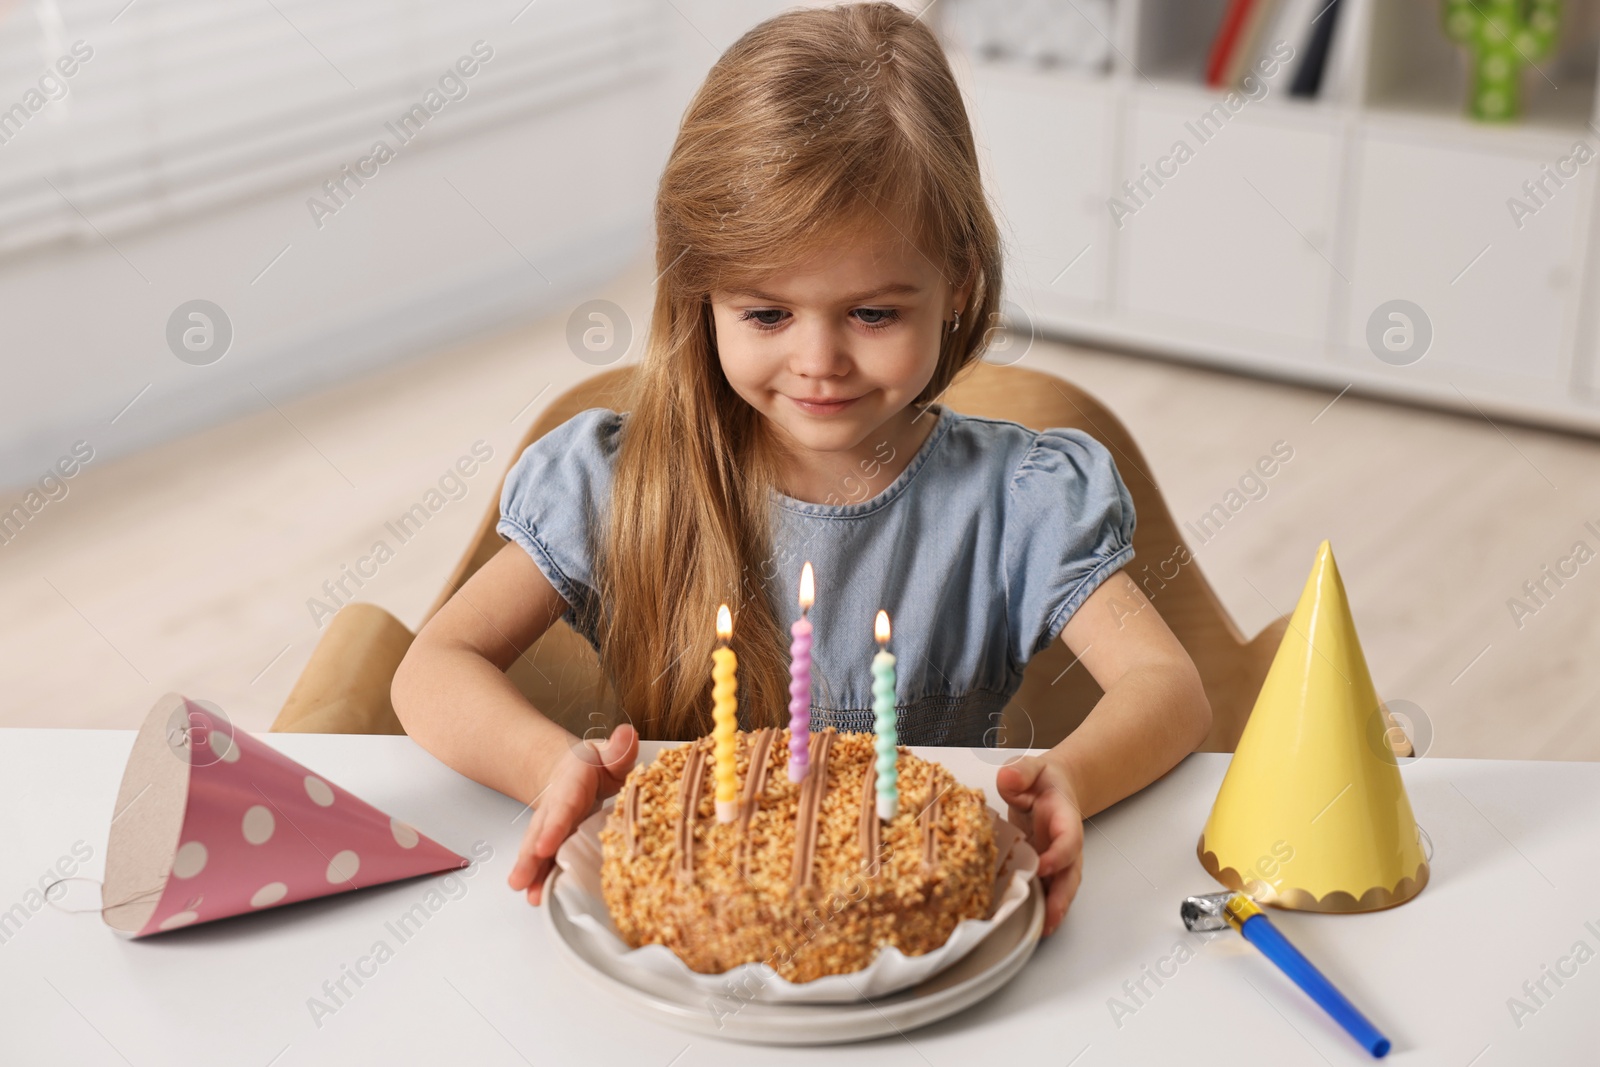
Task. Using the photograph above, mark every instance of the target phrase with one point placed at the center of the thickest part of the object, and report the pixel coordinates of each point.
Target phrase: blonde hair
(813, 121)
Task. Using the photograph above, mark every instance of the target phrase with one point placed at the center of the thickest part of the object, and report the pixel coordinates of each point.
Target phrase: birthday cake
(806, 878)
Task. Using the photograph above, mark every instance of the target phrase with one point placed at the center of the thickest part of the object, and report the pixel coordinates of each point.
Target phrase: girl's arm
(451, 692)
(1154, 712)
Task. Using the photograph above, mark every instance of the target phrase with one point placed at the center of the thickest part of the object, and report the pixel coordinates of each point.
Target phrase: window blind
(117, 115)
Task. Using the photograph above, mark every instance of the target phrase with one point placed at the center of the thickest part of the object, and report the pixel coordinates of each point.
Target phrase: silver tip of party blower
(1206, 912)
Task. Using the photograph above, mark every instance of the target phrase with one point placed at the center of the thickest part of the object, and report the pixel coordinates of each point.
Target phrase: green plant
(1501, 36)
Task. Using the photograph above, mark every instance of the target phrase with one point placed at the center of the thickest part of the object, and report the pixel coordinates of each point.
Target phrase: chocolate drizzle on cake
(929, 817)
(809, 806)
(630, 814)
(755, 786)
(869, 820)
(688, 806)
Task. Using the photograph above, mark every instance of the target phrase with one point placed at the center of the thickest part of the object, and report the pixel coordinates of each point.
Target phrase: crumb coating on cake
(720, 915)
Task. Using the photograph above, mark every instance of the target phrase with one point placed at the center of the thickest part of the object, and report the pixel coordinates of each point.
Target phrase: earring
(955, 323)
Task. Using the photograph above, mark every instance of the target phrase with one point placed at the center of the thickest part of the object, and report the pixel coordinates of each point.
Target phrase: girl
(827, 259)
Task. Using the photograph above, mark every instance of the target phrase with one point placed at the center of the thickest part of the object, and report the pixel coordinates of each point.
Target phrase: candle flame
(808, 586)
(880, 628)
(724, 623)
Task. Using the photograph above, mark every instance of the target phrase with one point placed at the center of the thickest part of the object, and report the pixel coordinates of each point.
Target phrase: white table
(481, 982)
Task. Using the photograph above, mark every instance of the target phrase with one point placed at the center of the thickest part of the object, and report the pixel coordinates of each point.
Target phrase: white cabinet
(1048, 167)
(1434, 224)
(1264, 236)
(1228, 223)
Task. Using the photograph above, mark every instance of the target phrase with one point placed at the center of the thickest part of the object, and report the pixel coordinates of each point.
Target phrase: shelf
(1274, 101)
(1273, 248)
(1072, 39)
(1173, 39)
(1414, 68)
(1040, 76)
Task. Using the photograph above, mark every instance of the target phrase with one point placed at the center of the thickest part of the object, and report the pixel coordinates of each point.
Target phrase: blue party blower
(1214, 911)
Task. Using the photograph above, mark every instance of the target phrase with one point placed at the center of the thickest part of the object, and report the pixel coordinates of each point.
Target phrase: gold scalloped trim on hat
(1375, 899)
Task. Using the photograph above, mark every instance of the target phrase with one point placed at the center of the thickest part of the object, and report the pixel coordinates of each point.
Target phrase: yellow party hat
(1312, 814)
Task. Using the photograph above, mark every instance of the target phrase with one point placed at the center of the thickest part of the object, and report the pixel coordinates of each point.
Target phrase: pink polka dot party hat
(211, 822)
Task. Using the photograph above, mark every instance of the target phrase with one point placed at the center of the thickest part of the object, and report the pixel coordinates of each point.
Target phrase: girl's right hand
(589, 773)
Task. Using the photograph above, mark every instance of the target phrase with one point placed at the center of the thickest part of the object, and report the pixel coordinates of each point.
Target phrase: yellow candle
(724, 712)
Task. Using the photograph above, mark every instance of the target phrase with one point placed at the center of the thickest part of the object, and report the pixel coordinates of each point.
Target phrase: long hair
(813, 121)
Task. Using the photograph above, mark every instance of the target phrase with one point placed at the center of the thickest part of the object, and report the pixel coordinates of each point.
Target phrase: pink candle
(800, 683)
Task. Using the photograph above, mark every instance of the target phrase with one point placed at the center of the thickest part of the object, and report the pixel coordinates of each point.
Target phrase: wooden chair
(345, 686)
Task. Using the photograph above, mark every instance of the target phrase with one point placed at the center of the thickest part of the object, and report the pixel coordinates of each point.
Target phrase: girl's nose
(819, 352)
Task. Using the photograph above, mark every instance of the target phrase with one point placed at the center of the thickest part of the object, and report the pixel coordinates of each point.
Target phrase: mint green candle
(886, 741)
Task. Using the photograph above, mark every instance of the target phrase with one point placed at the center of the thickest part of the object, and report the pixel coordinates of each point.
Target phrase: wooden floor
(196, 566)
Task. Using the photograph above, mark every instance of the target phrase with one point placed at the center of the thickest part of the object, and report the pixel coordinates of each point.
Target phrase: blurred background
(276, 274)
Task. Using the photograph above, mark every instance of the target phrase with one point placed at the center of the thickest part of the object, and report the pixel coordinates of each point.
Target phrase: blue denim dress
(980, 550)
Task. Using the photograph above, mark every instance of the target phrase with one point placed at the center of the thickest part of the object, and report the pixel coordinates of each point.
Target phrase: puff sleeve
(1069, 524)
(554, 505)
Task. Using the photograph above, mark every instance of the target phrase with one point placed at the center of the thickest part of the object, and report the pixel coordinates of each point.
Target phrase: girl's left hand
(1043, 803)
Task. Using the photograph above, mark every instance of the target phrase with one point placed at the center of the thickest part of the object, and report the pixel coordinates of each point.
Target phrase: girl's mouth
(822, 405)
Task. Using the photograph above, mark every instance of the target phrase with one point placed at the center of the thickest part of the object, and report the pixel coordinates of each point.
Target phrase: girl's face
(832, 351)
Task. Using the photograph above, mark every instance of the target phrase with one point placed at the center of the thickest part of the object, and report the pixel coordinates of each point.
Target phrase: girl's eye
(888, 316)
(760, 323)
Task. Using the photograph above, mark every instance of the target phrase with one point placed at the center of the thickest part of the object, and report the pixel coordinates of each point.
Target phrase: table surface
(481, 982)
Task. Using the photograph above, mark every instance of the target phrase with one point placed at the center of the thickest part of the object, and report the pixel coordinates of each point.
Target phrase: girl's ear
(963, 294)
(961, 302)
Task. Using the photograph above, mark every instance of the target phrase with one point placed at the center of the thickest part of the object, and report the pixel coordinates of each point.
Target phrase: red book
(1227, 39)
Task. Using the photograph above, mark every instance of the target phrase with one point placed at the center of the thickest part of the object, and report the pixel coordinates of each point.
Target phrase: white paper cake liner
(578, 891)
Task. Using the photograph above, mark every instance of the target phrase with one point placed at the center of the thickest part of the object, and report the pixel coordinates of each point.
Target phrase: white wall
(543, 210)
(408, 264)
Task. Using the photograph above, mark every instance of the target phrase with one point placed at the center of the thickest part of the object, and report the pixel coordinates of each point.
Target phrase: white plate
(657, 968)
(981, 972)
